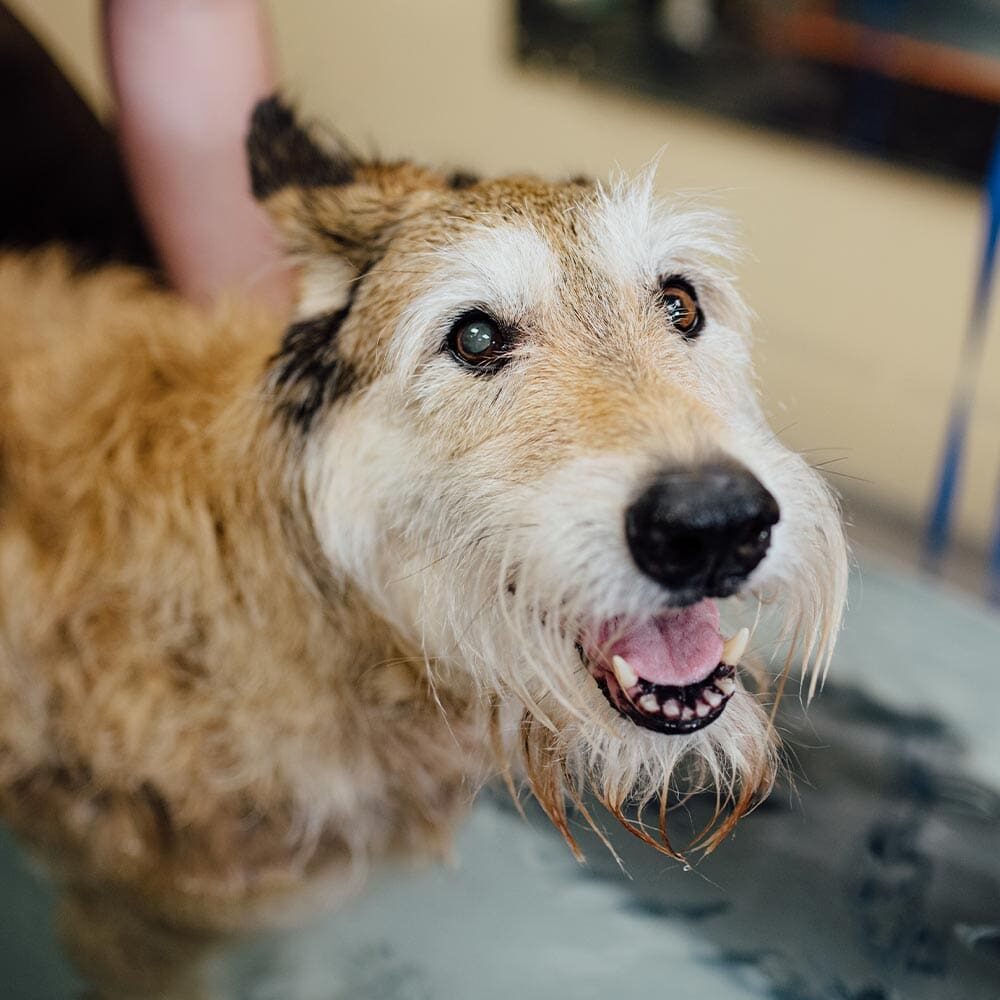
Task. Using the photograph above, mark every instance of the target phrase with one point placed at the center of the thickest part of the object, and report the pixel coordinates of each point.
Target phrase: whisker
(845, 475)
(461, 547)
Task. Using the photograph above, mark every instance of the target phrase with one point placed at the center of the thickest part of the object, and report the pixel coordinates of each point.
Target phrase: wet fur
(273, 602)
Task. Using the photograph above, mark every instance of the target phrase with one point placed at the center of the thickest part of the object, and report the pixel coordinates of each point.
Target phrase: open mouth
(673, 673)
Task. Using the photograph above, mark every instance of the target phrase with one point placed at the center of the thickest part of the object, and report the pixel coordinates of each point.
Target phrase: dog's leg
(125, 955)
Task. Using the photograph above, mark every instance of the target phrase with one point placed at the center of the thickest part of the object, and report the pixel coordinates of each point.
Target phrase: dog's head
(530, 436)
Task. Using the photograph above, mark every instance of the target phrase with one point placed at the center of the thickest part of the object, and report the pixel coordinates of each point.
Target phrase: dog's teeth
(627, 677)
(712, 697)
(688, 714)
(672, 708)
(727, 685)
(735, 647)
(702, 710)
(648, 703)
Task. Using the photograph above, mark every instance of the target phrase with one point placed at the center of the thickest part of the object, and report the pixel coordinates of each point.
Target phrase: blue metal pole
(941, 513)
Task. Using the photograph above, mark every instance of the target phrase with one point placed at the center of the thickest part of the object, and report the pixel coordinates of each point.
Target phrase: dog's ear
(332, 207)
(282, 154)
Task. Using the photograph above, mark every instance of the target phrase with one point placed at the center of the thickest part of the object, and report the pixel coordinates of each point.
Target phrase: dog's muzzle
(699, 532)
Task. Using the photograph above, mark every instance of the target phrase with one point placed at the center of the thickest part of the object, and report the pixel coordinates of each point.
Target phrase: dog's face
(531, 438)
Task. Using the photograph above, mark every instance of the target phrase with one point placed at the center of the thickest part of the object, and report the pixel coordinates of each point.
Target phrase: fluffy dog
(274, 603)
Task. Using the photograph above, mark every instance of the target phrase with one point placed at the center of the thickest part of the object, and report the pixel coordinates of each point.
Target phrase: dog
(275, 602)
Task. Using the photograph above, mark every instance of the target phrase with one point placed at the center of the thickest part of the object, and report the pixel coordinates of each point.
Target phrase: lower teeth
(714, 692)
(713, 697)
(702, 699)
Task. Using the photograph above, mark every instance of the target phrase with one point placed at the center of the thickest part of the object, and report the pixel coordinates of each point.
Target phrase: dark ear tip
(283, 154)
(270, 115)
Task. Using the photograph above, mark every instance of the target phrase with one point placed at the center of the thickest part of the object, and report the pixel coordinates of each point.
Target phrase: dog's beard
(509, 601)
(553, 724)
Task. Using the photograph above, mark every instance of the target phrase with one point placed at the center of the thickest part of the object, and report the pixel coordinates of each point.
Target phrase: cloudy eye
(480, 342)
(680, 301)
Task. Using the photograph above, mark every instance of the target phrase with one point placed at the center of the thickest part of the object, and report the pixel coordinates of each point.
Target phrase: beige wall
(860, 273)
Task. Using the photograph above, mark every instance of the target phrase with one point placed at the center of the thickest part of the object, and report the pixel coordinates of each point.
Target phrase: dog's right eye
(479, 342)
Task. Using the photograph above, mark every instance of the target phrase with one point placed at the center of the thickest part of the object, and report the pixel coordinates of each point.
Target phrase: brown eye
(681, 304)
(478, 341)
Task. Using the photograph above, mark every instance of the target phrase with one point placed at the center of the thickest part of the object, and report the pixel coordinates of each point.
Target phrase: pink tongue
(678, 648)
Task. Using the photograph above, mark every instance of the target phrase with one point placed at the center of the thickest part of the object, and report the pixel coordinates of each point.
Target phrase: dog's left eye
(680, 301)
(480, 342)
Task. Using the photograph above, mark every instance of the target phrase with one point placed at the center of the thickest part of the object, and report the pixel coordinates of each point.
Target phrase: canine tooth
(727, 685)
(672, 708)
(627, 677)
(712, 697)
(648, 703)
(735, 647)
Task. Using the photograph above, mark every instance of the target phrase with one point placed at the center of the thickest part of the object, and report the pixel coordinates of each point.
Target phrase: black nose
(701, 531)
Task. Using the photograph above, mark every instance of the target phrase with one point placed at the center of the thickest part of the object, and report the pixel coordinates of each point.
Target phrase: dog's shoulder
(96, 340)
(103, 374)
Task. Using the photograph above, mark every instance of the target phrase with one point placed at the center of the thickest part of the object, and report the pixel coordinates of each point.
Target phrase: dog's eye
(478, 341)
(681, 304)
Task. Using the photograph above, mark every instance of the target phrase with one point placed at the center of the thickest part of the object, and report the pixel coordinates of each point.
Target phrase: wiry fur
(272, 605)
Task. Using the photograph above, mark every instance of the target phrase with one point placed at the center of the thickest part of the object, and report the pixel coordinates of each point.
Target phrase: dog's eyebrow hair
(309, 374)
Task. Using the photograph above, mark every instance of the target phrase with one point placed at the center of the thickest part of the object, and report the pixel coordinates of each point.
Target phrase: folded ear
(282, 154)
(336, 212)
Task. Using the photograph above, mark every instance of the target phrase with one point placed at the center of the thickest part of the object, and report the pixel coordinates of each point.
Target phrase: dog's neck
(337, 689)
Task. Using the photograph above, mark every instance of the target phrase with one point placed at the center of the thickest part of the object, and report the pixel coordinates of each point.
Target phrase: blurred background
(852, 142)
(848, 140)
